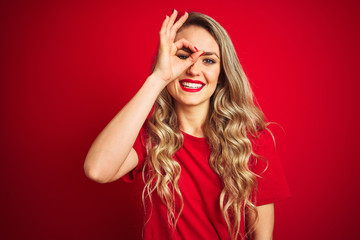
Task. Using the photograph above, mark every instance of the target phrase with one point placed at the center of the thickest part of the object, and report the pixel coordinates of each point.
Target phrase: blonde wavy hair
(233, 119)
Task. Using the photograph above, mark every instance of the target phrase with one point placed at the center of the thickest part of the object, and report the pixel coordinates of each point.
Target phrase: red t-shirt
(200, 187)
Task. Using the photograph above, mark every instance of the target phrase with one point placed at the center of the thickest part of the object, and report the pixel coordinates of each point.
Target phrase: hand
(168, 66)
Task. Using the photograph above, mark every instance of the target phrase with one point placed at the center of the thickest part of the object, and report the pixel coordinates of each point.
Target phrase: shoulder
(263, 137)
(264, 151)
(263, 141)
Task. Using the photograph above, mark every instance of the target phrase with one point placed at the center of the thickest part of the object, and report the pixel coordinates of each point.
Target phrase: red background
(67, 67)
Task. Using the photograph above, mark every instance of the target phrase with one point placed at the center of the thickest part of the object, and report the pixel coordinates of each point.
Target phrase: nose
(194, 69)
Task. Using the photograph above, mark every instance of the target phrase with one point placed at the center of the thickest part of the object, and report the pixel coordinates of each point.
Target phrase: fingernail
(196, 48)
(201, 54)
(173, 10)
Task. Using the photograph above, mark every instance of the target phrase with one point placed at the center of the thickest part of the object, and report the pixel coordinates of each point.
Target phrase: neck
(192, 118)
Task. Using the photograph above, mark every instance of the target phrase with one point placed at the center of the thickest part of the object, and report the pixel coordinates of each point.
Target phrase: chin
(193, 103)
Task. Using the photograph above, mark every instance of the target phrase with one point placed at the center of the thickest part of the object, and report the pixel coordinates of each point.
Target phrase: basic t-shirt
(200, 187)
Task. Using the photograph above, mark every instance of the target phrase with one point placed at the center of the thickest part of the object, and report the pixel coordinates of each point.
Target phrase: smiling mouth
(190, 85)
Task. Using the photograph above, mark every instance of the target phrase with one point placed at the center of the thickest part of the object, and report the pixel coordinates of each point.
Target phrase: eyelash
(206, 60)
(209, 61)
(182, 57)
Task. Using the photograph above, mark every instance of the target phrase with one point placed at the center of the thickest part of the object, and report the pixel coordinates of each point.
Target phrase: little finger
(164, 25)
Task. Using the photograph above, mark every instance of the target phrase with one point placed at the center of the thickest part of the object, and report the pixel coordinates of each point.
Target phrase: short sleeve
(272, 184)
(140, 148)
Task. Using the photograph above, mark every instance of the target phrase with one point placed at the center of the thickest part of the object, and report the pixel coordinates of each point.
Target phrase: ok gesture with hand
(168, 66)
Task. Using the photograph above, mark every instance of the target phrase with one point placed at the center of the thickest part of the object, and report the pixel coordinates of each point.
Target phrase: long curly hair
(232, 121)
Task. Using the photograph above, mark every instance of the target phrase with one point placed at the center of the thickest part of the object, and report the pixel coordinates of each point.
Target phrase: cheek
(213, 75)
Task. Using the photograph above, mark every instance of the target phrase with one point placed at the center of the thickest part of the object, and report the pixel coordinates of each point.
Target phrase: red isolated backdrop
(67, 67)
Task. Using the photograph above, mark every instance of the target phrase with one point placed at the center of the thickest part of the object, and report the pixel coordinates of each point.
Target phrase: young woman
(205, 153)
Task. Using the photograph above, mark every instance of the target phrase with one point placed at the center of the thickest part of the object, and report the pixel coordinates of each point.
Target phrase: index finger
(183, 43)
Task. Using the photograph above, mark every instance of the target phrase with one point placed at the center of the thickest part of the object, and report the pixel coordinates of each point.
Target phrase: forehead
(200, 37)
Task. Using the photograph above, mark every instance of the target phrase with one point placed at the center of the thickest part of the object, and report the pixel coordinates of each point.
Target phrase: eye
(181, 56)
(208, 61)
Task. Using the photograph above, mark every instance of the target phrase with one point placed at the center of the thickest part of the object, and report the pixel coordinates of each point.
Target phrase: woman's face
(196, 85)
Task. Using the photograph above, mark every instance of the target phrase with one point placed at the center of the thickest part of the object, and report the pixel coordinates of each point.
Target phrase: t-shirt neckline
(193, 138)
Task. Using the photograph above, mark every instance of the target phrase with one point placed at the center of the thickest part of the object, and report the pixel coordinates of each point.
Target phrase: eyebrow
(205, 53)
(210, 53)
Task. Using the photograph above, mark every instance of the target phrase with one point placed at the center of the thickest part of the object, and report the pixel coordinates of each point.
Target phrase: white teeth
(191, 85)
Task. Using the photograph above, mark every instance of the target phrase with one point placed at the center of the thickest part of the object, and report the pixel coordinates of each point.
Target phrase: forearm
(111, 147)
(264, 224)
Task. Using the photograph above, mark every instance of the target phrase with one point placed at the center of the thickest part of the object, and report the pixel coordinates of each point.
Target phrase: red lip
(191, 89)
(192, 81)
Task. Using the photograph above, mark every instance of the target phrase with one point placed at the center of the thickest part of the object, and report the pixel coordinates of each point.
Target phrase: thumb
(194, 57)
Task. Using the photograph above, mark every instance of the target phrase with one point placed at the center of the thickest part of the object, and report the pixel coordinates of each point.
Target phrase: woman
(205, 154)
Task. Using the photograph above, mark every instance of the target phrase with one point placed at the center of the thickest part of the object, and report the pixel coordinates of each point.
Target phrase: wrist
(156, 81)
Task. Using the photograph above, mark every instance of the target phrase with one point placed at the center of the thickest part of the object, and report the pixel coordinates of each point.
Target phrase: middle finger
(180, 22)
(172, 20)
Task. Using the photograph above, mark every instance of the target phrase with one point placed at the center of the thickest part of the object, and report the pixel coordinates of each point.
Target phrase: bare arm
(113, 145)
(111, 155)
(264, 225)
